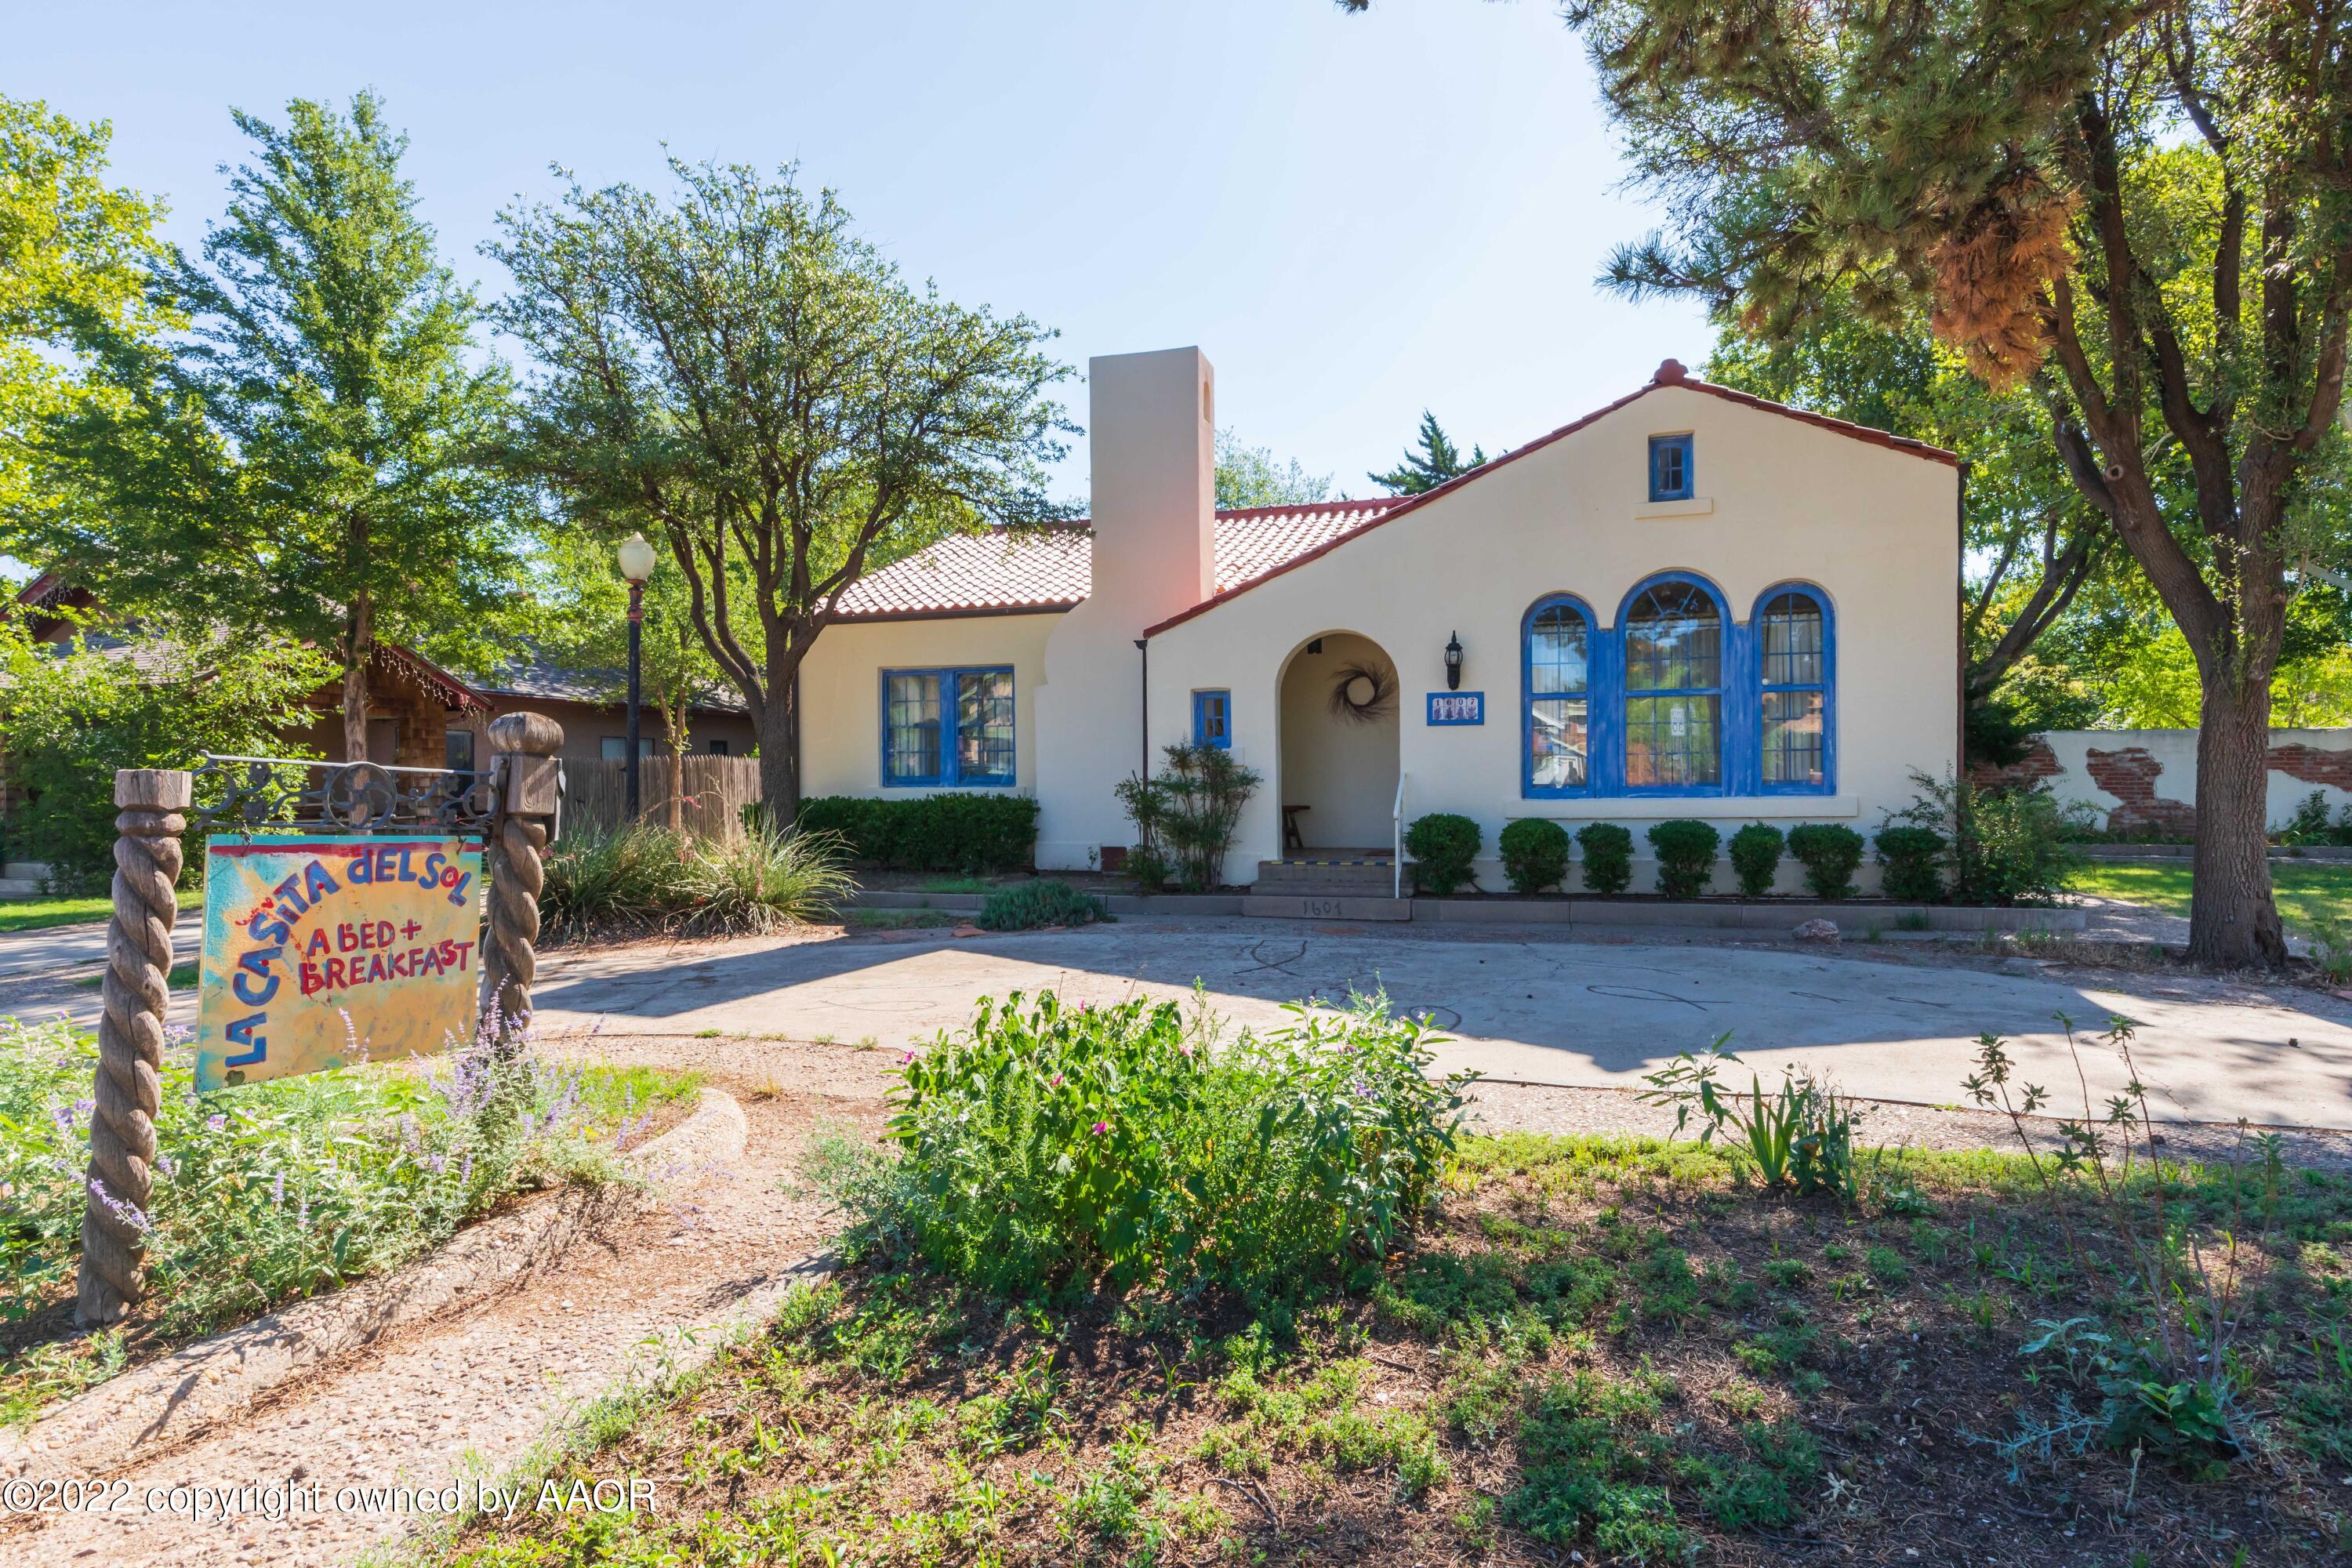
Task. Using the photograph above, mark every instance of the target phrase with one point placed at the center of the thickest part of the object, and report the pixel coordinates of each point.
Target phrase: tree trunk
(359, 646)
(2232, 918)
(780, 753)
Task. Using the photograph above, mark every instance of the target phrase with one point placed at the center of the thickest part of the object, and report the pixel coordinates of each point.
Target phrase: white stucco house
(1690, 603)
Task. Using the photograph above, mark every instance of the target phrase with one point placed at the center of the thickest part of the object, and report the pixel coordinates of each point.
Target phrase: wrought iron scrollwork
(258, 794)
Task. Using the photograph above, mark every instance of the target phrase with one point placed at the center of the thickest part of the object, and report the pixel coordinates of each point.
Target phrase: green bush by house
(1608, 856)
(1443, 845)
(1685, 856)
(1756, 856)
(1031, 906)
(1910, 855)
(1831, 852)
(1535, 854)
(967, 832)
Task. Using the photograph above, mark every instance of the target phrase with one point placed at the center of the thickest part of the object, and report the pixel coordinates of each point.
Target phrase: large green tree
(738, 367)
(2032, 543)
(1435, 460)
(2151, 203)
(311, 453)
(73, 250)
(1253, 475)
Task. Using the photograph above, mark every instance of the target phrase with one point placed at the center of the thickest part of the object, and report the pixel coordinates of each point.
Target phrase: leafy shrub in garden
(1535, 854)
(972, 834)
(1910, 855)
(1051, 1146)
(1831, 852)
(2005, 847)
(1756, 856)
(1685, 856)
(1443, 845)
(1186, 818)
(1033, 905)
(1608, 856)
(271, 1191)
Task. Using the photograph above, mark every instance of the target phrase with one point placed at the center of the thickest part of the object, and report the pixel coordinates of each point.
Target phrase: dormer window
(1670, 468)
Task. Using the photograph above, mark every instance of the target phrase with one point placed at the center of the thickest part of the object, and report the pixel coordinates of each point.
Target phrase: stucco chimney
(1152, 441)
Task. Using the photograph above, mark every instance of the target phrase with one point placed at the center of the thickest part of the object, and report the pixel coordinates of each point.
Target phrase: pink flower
(1055, 1082)
(1184, 1050)
(905, 1060)
(1100, 1127)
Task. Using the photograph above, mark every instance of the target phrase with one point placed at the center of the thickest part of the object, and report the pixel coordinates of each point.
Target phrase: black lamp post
(1453, 662)
(636, 566)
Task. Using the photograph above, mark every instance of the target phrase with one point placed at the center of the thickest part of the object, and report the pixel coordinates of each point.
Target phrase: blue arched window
(1674, 635)
(1557, 758)
(1794, 651)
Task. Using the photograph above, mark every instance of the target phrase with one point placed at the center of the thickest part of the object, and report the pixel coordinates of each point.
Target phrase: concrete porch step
(1339, 874)
(1325, 907)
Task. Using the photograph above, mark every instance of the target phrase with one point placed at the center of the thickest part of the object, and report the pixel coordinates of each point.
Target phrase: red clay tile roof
(1052, 568)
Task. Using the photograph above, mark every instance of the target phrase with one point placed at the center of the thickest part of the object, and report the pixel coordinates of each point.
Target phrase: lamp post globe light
(636, 566)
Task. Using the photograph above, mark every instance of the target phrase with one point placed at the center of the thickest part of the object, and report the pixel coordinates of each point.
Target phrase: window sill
(1664, 808)
(1691, 506)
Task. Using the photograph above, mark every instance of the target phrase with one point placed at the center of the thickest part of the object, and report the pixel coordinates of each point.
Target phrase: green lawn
(2306, 892)
(31, 914)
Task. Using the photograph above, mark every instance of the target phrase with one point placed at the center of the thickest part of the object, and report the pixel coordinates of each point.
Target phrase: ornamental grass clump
(1034, 906)
(1051, 1148)
(640, 880)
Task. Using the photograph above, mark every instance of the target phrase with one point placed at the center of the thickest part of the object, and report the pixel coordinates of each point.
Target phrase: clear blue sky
(1354, 217)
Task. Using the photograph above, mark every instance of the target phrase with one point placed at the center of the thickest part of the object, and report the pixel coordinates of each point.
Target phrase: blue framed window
(1556, 758)
(1795, 652)
(1678, 698)
(947, 726)
(1674, 690)
(1671, 473)
(1212, 719)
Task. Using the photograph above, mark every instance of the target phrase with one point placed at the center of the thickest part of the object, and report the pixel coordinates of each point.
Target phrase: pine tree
(1436, 461)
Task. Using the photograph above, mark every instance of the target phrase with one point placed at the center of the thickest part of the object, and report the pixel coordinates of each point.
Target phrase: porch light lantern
(636, 566)
(1453, 662)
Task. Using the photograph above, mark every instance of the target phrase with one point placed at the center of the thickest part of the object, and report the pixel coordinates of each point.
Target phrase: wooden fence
(717, 789)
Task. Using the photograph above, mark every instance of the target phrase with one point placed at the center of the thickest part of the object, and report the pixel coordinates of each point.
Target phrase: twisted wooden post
(120, 1182)
(527, 779)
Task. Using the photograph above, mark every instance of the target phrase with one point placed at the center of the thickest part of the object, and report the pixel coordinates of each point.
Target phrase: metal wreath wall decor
(1363, 692)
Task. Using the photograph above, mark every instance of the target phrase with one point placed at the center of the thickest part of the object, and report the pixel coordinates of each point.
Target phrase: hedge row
(1536, 856)
(967, 832)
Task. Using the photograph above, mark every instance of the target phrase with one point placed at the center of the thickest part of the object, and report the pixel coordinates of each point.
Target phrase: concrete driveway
(1525, 1006)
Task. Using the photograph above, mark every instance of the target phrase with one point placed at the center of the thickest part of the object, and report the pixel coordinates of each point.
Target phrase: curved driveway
(1529, 1007)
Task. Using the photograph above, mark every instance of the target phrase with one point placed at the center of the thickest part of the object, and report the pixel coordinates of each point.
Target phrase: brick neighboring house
(420, 715)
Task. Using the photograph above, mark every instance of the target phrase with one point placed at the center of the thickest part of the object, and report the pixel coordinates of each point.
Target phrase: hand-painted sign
(319, 949)
(1457, 707)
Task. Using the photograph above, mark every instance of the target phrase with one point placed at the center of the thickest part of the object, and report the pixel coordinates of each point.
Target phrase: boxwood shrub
(1685, 856)
(1830, 852)
(1535, 854)
(1756, 856)
(1443, 845)
(1910, 855)
(967, 833)
(1608, 856)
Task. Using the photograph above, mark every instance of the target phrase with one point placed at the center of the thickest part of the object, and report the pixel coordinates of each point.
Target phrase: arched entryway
(1342, 709)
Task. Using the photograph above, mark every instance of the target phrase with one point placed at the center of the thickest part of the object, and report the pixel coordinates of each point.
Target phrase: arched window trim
(1593, 638)
(1754, 684)
(1729, 676)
